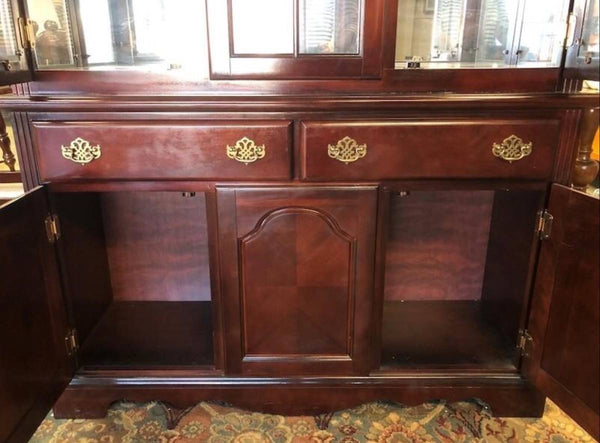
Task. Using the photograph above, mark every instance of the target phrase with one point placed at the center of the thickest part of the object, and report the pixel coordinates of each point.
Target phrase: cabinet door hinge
(27, 33)
(71, 342)
(524, 342)
(52, 227)
(544, 224)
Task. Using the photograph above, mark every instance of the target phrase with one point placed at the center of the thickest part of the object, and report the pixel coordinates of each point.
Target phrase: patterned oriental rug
(373, 422)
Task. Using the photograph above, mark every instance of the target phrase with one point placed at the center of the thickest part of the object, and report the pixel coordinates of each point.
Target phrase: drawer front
(360, 150)
(258, 150)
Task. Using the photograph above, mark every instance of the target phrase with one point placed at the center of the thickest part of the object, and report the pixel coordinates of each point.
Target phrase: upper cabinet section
(480, 33)
(111, 34)
(295, 38)
(13, 59)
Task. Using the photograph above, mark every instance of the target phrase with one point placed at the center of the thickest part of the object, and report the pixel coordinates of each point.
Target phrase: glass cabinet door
(295, 38)
(13, 59)
(583, 47)
(113, 34)
(480, 33)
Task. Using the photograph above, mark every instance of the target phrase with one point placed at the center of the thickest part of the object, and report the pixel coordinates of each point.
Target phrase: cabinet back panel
(437, 243)
(157, 245)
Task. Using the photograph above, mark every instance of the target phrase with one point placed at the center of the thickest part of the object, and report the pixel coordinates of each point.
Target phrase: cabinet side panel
(510, 258)
(84, 263)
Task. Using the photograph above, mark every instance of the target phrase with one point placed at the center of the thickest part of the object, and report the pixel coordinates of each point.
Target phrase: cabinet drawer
(387, 150)
(258, 150)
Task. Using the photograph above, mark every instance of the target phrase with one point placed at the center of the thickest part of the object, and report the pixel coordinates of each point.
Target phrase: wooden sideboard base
(506, 396)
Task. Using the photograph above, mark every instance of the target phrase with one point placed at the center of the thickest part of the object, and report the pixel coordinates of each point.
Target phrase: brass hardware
(52, 227)
(524, 342)
(403, 193)
(512, 149)
(347, 150)
(544, 224)
(27, 33)
(246, 151)
(81, 151)
(188, 194)
(71, 342)
(6, 65)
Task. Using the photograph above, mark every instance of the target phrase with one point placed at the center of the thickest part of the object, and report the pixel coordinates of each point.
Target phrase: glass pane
(591, 41)
(116, 33)
(53, 41)
(9, 49)
(497, 21)
(543, 32)
(479, 33)
(263, 26)
(329, 26)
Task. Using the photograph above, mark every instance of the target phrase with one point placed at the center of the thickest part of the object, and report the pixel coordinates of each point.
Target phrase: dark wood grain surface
(163, 150)
(511, 257)
(34, 367)
(83, 257)
(443, 334)
(151, 334)
(157, 246)
(304, 280)
(428, 149)
(436, 245)
(564, 324)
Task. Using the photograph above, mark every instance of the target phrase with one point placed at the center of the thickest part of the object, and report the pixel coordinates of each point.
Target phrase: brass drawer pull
(512, 149)
(347, 150)
(246, 151)
(81, 151)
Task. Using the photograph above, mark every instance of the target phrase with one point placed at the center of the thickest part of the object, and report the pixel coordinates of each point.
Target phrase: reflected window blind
(7, 32)
(319, 25)
(449, 17)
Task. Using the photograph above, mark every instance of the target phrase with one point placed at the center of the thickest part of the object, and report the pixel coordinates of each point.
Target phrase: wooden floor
(151, 334)
(442, 334)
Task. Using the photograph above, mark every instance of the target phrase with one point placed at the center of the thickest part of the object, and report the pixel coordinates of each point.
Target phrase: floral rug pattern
(373, 422)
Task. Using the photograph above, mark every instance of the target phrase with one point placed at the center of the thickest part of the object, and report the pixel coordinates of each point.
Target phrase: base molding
(90, 397)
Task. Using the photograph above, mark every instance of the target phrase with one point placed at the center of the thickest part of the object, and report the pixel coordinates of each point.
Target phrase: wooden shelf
(151, 334)
(442, 334)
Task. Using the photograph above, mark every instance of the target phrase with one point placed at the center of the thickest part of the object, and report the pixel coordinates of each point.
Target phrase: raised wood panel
(163, 150)
(309, 283)
(157, 246)
(436, 245)
(443, 148)
(303, 290)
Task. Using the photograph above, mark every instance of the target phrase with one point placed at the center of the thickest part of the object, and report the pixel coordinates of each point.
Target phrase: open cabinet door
(565, 318)
(34, 362)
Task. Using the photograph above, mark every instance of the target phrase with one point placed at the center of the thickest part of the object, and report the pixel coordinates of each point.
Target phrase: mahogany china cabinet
(298, 206)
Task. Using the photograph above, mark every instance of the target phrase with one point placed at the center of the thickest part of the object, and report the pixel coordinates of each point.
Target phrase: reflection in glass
(543, 32)
(8, 44)
(479, 33)
(52, 32)
(115, 33)
(329, 26)
(591, 40)
(263, 26)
